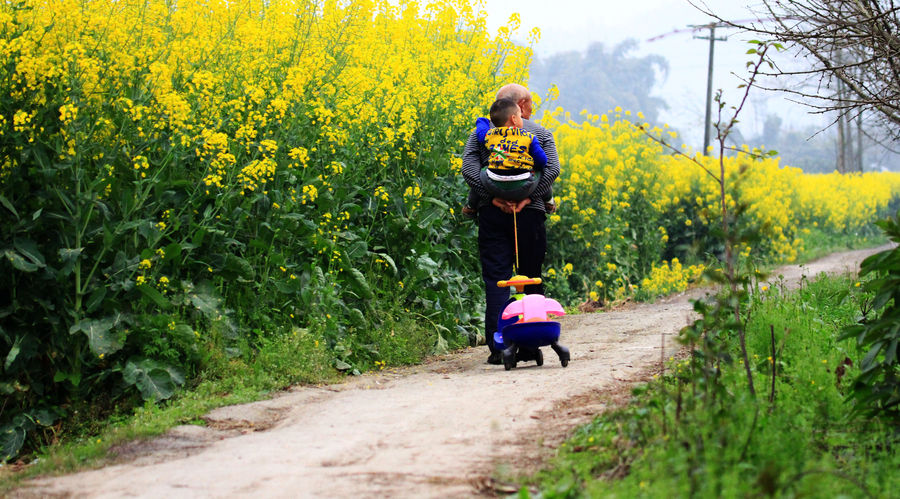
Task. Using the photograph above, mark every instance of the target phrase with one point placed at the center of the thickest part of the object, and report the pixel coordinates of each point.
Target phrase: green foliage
(876, 390)
(672, 440)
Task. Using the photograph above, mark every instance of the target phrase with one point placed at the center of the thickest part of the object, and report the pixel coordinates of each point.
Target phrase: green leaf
(101, 338)
(158, 298)
(29, 249)
(390, 261)
(74, 378)
(173, 251)
(95, 299)
(357, 317)
(356, 250)
(360, 285)
(890, 354)
(224, 327)
(869, 360)
(184, 331)
(43, 417)
(427, 264)
(69, 254)
(153, 379)
(206, 303)
(18, 262)
(239, 266)
(428, 215)
(441, 346)
(13, 353)
(437, 202)
(5, 202)
(12, 437)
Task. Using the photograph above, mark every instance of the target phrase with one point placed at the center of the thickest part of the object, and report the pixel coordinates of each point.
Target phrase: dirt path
(441, 429)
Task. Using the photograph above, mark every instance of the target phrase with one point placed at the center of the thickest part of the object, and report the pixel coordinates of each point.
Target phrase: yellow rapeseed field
(628, 202)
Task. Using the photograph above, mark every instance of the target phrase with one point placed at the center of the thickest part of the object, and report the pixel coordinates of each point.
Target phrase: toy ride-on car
(523, 326)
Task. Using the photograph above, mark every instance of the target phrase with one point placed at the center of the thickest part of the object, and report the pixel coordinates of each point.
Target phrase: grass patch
(677, 438)
(818, 243)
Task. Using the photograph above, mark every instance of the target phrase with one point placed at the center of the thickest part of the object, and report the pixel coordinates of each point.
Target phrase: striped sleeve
(551, 171)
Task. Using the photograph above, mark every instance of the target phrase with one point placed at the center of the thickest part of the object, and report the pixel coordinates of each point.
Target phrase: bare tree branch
(852, 47)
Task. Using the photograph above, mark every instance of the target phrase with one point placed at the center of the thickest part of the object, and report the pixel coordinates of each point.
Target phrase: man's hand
(510, 207)
(522, 204)
(504, 205)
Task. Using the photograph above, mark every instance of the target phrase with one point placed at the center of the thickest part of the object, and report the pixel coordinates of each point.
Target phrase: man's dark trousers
(496, 247)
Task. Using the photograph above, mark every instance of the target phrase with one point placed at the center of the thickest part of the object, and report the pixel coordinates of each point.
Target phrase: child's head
(506, 112)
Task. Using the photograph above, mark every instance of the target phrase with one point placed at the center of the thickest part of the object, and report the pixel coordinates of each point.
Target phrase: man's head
(506, 112)
(520, 95)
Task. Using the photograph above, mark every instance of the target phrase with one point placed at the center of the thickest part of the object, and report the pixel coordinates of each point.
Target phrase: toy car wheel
(564, 362)
(539, 357)
(509, 359)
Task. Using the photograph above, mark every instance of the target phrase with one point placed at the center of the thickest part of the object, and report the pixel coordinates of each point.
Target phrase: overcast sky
(573, 25)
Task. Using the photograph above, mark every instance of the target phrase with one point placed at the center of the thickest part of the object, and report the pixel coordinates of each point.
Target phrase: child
(516, 158)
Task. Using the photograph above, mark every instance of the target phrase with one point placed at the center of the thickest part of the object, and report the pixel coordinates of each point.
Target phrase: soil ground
(445, 428)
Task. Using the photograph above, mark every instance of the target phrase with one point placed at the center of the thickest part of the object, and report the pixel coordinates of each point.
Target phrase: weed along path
(441, 429)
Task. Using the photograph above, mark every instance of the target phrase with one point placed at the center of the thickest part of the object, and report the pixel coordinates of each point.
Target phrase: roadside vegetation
(694, 433)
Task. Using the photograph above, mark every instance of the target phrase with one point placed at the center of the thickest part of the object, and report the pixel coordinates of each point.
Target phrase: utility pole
(709, 76)
(859, 143)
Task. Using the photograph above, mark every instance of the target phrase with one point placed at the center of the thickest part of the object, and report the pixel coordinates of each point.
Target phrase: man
(496, 239)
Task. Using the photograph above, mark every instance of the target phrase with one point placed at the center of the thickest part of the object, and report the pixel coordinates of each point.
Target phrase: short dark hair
(501, 110)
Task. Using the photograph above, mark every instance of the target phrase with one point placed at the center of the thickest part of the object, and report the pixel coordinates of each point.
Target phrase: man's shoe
(496, 358)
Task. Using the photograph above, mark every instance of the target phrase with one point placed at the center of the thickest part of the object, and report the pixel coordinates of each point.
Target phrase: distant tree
(796, 149)
(771, 130)
(598, 80)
